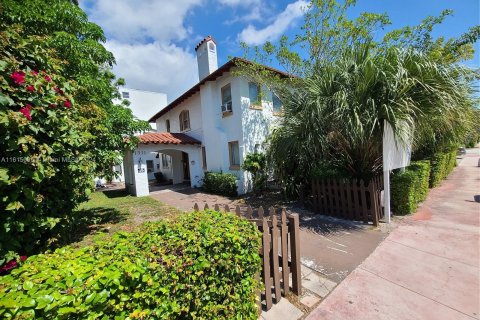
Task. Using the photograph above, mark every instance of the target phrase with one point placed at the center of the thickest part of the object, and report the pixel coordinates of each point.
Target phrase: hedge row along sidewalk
(411, 186)
(203, 265)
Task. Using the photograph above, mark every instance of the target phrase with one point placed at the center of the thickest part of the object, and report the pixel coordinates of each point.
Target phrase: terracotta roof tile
(167, 138)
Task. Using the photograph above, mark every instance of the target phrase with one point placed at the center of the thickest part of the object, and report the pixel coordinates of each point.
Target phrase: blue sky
(154, 40)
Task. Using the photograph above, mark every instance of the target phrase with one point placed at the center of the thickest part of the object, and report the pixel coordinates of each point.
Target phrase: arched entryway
(184, 161)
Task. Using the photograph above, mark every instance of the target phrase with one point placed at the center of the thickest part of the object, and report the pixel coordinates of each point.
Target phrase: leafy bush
(45, 170)
(442, 163)
(255, 163)
(201, 266)
(410, 187)
(159, 176)
(224, 184)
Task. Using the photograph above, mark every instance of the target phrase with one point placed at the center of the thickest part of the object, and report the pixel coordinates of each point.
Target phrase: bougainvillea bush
(44, 166)
(202, 266)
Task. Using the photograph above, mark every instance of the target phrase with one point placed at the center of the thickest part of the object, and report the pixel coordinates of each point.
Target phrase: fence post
(266, 264)
(285, 268)
(276, 273)
(294, 227)
(260, 212)
(237, 211)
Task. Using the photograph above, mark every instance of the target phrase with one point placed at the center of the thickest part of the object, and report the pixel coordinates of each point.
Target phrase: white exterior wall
(144, 104)
(246, 125)
(193, 105)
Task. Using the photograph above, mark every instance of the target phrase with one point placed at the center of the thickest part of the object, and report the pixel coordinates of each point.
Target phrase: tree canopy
(58, 125)
(346, 82)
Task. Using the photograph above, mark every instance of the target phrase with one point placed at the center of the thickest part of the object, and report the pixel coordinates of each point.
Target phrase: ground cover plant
(202, 266)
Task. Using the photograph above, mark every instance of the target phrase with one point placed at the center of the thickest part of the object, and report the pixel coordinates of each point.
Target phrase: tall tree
(80, 42)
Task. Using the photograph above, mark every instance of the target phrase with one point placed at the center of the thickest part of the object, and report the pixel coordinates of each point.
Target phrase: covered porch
(176, 155)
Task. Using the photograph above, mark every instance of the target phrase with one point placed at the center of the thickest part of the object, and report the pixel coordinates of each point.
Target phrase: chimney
(206, 57)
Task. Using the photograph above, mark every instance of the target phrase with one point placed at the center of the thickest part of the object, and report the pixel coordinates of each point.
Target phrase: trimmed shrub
(201, 266)
(442, 163)
(410, 187)
(224, 184)
(159, 176)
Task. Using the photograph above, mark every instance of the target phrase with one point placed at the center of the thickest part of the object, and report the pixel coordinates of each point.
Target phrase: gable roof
(166, 138)
(211, 77)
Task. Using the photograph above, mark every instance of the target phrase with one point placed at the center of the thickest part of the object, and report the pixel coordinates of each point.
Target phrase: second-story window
(226, 98)
(184, 119)
(167, 124)
(254, 94)
(125, 95)
(277, 104)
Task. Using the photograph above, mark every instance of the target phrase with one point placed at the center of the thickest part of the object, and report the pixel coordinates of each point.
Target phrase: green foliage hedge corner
(201, 266)
(224, 184)
(410, 187)
(442, 163)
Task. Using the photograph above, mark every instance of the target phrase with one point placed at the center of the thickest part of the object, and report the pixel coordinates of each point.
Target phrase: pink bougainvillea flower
(11, 265)
(18, 77)
(26, 111)
(67, 104)
(34, 72)
(30, 88)
(58, 90)
(47, 78)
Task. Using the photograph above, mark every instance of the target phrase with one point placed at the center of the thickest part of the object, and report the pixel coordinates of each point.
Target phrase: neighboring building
(211, 127)
(143, 105)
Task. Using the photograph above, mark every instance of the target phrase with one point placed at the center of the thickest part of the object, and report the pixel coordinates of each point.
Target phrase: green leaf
(15, 205)
(5, 100)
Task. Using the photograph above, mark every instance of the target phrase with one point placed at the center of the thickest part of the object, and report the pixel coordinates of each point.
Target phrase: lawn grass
(108, 212)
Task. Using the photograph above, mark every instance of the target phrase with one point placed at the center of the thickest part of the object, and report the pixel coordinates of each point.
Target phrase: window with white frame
(234, 153)
(167, 124)
(149, 166)
(254, 93)
(125, 95)
(184, 119)
(277, 104)
(226, 98)
(165, 161)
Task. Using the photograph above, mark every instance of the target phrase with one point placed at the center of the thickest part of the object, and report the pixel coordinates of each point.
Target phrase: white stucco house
(210, 127)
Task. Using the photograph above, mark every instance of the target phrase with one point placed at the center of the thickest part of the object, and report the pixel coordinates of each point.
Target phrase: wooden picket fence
(280, 240)
(349, 199)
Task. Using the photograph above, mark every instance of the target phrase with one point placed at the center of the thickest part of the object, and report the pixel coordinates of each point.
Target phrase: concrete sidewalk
(427, 268)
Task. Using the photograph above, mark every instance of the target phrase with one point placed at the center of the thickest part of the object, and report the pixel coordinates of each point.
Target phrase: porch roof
(167, 138)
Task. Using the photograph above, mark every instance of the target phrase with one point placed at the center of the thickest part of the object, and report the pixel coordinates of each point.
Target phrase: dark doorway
(186, 166)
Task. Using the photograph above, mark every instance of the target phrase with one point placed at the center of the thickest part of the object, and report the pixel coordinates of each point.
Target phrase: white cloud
(140, 21)
(234, 3)
(253, 36)
(155, 67)
(144, 36)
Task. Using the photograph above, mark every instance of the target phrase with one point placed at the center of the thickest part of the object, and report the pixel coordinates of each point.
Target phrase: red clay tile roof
(167, 138)
(206, 39)
(211, 77)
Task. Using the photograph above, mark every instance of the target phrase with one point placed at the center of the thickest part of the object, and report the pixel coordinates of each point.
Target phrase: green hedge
(442, 163)
(224, 184)
(201, 266)
(410, 187)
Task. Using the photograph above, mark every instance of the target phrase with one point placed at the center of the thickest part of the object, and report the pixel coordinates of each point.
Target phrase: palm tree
(336, 117)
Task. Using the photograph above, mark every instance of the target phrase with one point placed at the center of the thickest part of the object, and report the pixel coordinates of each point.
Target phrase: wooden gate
(280, 251)
(348, 199)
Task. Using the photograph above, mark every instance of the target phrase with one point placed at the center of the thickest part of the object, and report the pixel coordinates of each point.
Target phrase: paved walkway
(427, 268)
(330, 248)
